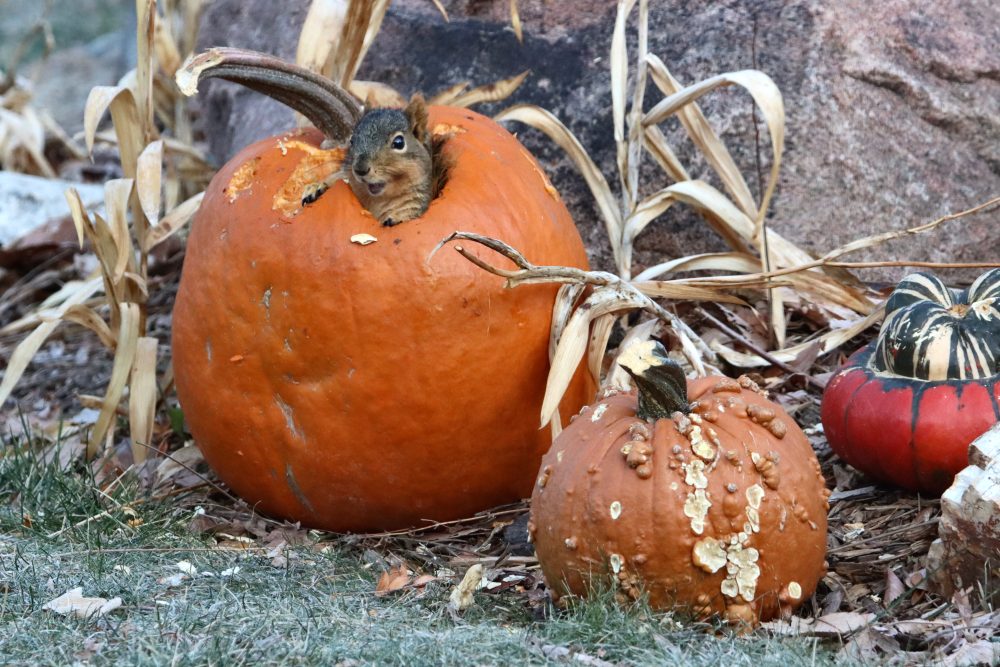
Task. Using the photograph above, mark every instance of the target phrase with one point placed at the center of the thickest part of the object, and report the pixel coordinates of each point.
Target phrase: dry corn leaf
(491, 92)
(116, 198)
(543, 120)
(361, 24)
(128, 335)
(515, 21)
(600, 334)
(142, 397)
(324, 22)
(445, 97)
(701, 133)
(145, 29)
(735, 262)
(619, 87)
(566, 300)
(617, 376)
(27, 348)
(87, 317)
(148, 185)
(167, 51)
(573, 342)
(635, 137)
(768, 98)
(440, 8)
(461, 597)
(125, 116)
(376, 94)
(829, 341)
(173, 221)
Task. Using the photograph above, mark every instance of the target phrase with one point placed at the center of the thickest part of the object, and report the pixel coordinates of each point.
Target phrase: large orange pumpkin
(717, 506)
(365, 387)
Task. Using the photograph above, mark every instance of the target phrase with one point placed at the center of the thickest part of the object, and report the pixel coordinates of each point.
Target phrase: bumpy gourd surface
(721, 510)
(361, 387)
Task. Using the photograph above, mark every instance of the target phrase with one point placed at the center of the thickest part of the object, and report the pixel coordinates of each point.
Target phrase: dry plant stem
(829, 259)
(916, 264)
(528, 274)
(756, 349)
(329, 107)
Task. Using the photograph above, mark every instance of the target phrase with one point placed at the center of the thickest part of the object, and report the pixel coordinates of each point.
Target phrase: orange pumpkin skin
(368, 387)
(620, 496)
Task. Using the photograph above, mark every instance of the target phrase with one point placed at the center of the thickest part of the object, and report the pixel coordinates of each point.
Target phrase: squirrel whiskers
(393, 165)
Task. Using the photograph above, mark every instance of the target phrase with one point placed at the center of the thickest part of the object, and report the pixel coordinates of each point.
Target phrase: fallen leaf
(894, 588)
(173, 580)
(73, 602)
(461, 597)
(187, 568)
(830, 625)
(392, 580)
(983, 652)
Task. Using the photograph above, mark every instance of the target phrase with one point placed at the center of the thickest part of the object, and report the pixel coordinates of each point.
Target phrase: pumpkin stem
(329, 107)
(661, 382)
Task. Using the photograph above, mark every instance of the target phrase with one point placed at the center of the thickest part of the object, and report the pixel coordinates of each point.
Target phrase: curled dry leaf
(173, 221)
(545, 121)
(27, 348)
(73, 602)
(491, 92)
(393, 580)
(377, 94)
(461, 597)
(126, 119)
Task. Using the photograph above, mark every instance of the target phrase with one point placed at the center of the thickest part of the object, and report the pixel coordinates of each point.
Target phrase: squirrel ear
(416, 114)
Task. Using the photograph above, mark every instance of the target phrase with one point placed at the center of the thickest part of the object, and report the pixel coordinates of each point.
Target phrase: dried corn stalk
(132, 226)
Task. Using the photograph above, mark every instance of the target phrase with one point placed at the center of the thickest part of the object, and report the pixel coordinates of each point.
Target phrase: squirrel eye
(398, 142)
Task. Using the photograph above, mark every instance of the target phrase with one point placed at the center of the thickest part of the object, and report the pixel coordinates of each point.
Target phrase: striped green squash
(934, 333)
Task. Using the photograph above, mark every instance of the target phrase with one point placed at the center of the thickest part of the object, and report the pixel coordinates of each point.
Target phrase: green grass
(321, 609)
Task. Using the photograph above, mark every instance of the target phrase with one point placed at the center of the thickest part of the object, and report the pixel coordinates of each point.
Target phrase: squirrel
(393, 165)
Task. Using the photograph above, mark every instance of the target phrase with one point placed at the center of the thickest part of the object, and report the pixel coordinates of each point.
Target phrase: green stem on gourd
(661, 382)
(333, 110)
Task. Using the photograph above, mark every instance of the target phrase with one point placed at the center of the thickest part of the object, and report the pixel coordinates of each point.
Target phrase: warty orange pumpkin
(360, 385)
(716, 506)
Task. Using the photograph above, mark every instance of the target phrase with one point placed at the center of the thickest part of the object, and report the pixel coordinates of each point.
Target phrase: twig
(439, 524)
(529, 273)
(194, 472)
(919, 264)
(830, 257)
(756, 349)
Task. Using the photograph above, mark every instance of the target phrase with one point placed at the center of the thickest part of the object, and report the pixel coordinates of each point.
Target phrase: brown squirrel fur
(393, 165)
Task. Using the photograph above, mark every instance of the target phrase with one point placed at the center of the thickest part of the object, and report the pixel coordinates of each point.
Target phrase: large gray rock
(893, 108)
(28, 202)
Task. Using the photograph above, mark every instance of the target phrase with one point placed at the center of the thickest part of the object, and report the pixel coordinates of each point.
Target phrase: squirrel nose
(361, 168)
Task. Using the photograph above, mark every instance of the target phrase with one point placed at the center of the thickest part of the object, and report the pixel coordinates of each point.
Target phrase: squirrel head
(390, 151)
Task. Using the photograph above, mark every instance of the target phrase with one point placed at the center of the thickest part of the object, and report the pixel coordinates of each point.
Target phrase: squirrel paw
(312, 192)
